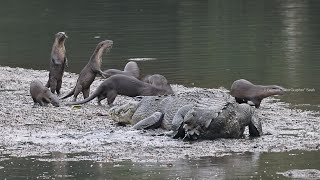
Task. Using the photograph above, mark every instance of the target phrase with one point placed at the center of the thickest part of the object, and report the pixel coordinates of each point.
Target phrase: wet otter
(131, 69)
(58, 63)
(42, 95)
(120, 84)
(245, 91)
(90, 71)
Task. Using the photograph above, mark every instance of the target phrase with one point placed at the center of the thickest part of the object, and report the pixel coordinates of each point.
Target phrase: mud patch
(26, 130)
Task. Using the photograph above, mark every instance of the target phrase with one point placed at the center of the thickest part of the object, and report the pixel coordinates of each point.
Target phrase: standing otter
(131, 69)
(90, 71)
(58, 63)
(122, 85)
(245, 91)
(42, 95)
(158, 80)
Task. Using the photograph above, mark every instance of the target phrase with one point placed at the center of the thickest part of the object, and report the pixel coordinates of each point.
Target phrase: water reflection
(294, 23)
(60, 165)
(232, 166)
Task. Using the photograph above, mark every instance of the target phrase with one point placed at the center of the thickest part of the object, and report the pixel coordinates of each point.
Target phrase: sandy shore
(27, 130)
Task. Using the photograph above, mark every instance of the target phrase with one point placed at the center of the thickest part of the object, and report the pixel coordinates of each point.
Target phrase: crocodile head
(123, 113)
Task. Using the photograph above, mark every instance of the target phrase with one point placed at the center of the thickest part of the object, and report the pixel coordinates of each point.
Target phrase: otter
(90, 71)
(245, 91)
(120, 84)
(131, 69)
(159, 81)
(58, 63)
(42, 95)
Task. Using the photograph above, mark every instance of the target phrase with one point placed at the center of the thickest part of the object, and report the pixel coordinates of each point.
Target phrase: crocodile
(192, 114)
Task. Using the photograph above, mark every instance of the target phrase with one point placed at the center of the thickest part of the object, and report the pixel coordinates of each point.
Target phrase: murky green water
(194, 43)
(233, 166)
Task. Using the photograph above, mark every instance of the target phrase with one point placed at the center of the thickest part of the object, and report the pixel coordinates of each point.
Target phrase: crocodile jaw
(124, 113)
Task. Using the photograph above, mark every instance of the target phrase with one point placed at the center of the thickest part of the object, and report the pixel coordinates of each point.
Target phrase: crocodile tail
(92, 96)
(69, 94)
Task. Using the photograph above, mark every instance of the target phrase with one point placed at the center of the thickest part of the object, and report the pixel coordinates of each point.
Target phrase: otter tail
(133, 68)
(92, 96)
(69, 94)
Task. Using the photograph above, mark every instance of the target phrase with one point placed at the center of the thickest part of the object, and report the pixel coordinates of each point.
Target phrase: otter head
(103, 46)
(54, 100)
(61, 36)
(275, 90)
(156, 80)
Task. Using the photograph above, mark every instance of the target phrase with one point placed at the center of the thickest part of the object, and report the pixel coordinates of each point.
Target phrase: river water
(194, 43)
(235, 166)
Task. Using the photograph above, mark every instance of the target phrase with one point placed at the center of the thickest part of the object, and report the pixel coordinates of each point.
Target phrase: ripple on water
(142, 59)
